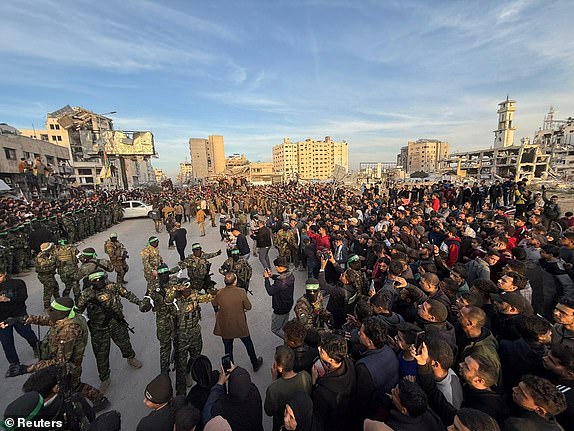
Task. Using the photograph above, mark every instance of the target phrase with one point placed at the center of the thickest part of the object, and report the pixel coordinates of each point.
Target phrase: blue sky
(375, 73)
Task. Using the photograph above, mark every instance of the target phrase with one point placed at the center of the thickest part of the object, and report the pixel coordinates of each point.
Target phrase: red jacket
(320, 241)
(453, 250)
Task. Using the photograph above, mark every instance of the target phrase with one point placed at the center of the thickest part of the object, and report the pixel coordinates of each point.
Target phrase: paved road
(126, 390)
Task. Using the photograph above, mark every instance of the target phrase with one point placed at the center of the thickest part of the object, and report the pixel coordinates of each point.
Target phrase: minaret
(504, 136)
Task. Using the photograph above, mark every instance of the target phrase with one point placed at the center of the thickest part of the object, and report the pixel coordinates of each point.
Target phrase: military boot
(134, 363)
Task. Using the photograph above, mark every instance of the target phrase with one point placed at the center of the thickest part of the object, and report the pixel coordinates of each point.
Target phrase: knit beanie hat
(159, 390)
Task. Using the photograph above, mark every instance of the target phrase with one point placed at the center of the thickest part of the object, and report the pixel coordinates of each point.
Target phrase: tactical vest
(65, 254)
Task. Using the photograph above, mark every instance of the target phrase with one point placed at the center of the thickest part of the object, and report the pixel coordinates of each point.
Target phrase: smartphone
(318, 365)
(419, 340)
(226, 363)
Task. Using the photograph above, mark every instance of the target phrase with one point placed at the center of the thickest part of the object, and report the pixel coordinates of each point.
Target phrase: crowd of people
(425, 308)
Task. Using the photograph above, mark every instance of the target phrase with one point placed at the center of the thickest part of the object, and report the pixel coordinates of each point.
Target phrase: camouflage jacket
(66, 256)
(93, 265)
(312, 315)
(285, 241)
(186, 309)
(159, 295)
(198, 267)
(115, 250)
(151, 260)
(241, 268)
(45, 262)
(65, 342)
(105, 304)
(358, 279)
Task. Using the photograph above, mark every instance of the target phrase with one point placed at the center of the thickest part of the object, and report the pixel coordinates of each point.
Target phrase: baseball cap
(515, 299)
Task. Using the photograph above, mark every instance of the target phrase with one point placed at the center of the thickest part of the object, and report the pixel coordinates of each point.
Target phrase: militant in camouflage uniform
(240, 267)
(356, 277)
(285, 241)
(65, 343)
(6, 255)
(151, 260)
(164, 319)
(90, 264)
(118, 255)
(18, 240)
(67, 264)
(309, 309)
(70, 226)
(45, 264)
(106, 321)
(187, 331)
(198, 267)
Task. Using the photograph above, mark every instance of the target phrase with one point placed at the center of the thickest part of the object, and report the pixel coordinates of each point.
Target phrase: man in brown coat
(231, 321)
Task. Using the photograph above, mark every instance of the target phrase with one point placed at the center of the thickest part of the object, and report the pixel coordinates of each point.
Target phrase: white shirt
(451, 389)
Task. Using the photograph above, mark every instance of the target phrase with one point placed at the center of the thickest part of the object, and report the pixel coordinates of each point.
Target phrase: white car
(134, 209)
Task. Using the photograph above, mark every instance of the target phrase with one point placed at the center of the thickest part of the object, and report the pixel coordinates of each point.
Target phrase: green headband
(195, 246)
(162, 270)
(62, 241)
(89, 254)
(59, 307)
(312, 287)
(96, 275)
(153, 239)
(236, 251)
(352, 258)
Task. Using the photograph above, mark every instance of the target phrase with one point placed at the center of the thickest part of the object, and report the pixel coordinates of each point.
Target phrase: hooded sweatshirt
(302, 407)
(241, 406)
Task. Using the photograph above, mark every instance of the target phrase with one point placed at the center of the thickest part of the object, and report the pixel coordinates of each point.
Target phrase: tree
(419, 174)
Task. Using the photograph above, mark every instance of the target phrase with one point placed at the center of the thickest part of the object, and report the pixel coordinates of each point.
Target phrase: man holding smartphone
(231, 322)
(281, 292)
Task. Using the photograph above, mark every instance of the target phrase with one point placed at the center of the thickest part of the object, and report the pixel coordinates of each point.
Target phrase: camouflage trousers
(51, 288)
(164, 333)
(71, 284)
(121, 267)
(188, 347)
(101, 336)
(19, 260)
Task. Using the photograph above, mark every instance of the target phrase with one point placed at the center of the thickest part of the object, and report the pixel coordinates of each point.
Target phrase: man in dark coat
(281, 292)
(334, 380)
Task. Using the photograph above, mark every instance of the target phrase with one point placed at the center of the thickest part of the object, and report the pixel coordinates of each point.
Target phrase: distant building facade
(556, 137)
(504, 159)
(235, 160)
(79, 125)
(160, 176)
(185, 173)
(207, 156)
(310, 159)
(422, 155)
(16, 147)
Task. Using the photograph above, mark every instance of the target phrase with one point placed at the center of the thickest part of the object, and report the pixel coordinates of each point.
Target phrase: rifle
(111, 314)
(175, 342)
(74, 416)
